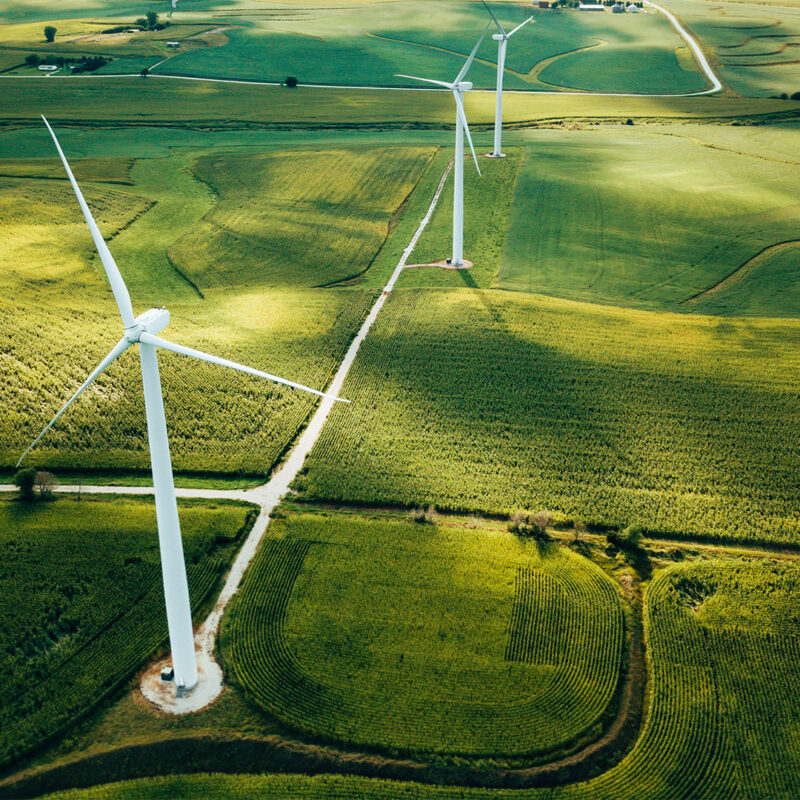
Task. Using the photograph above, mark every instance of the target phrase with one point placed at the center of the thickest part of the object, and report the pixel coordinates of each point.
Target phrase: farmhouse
(47, 67)
(618, 8)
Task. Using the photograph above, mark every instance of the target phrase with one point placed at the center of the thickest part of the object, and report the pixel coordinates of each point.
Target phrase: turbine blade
(491, 14)
(148, 338)
(425, 80)
(521, 25)
(460, 105)
(118, 350)
(471, 58)
(112, 271)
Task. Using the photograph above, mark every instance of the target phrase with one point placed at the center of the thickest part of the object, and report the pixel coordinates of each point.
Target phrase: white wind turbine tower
(502, 44)
(142, 330)
(458, 87)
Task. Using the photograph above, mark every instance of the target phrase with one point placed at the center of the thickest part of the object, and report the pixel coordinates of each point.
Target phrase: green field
(755, 47)
(493, 401)
(424, 638)
(652, 217)
(82, 602)
(294, 219)
(721, 718)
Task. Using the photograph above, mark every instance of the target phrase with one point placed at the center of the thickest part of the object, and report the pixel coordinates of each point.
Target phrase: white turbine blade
(112, 271)
(496, 21)
(471, 58)
(460, 105)
(148, 338)
(521, 25)
(426, 80)
(118, 350)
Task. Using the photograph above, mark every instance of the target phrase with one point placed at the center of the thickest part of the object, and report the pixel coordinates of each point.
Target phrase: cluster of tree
(28, 480)
(150, 22)
(784, 96)
(82, 64)
(531, 525)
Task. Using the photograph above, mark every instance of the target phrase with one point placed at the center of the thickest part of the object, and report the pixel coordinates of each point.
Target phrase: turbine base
(496, 155)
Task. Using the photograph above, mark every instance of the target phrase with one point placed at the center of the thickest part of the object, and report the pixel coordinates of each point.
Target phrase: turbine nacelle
(498, 37)
(153, 321)
(463, 86)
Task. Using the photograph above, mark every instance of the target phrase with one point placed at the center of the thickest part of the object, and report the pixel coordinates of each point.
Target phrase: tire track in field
(743, 271)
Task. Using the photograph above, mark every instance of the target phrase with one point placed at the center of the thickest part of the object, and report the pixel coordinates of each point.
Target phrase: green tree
(291, 81)
(25, 480)
(49, 33)
(32, 60)
(152, 19)
(141, 22)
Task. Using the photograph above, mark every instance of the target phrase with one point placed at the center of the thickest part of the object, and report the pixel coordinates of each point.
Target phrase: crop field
(492, 401)
(303, 218)
(327, 634)
(578, 226)
(84, 618)
(219, 421)
(720, 720)
(757, 48)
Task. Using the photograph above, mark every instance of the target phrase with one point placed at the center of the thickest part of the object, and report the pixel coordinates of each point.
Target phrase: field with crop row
(447, 653)
(721, 720)
(82, 604)
(493, 401)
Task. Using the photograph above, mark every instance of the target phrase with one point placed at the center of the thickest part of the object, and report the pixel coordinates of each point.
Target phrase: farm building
(544, 4)
(173, 44)
(591, 7)
(47, 67)
(632, 9)
(618, 8)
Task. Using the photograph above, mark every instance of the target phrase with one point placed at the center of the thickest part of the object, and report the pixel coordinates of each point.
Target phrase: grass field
(754, 46)
(418, 637)
(495, 401)
(82, 602)
(351, 44)
(604, 215)
(296, 219)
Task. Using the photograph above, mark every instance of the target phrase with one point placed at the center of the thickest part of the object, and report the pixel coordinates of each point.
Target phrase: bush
(49, 33)
(629, 122)
(46, 482)
(291, 82)
(424, 515)
(629, 538)
(25, 480)
(33, 60)
(534, 525)
(796, 96)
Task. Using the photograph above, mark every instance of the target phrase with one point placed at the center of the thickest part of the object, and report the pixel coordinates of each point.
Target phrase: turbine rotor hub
(464, 86)
(152, 321)
(498, 37)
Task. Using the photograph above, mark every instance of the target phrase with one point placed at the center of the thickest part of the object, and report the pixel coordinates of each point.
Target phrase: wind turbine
(502, 44)
(458, 87)
(143, 330)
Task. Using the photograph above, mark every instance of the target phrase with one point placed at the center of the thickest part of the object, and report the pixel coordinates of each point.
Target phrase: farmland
(551, 548)
(327, 635)
(494, 401)
(86, 617)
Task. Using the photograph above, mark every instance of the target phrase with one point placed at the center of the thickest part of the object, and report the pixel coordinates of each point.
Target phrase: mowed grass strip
(296, 218)
(492, 401)
(82, 605)
(395, 635)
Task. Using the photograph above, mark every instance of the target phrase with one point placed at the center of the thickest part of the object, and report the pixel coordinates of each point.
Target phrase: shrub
(424, 515)
(49, 33)
(629, 121)
(46, 482)
(291, 82)
(25, 480)
(796, 96)
(534, 525)
(32, 60)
